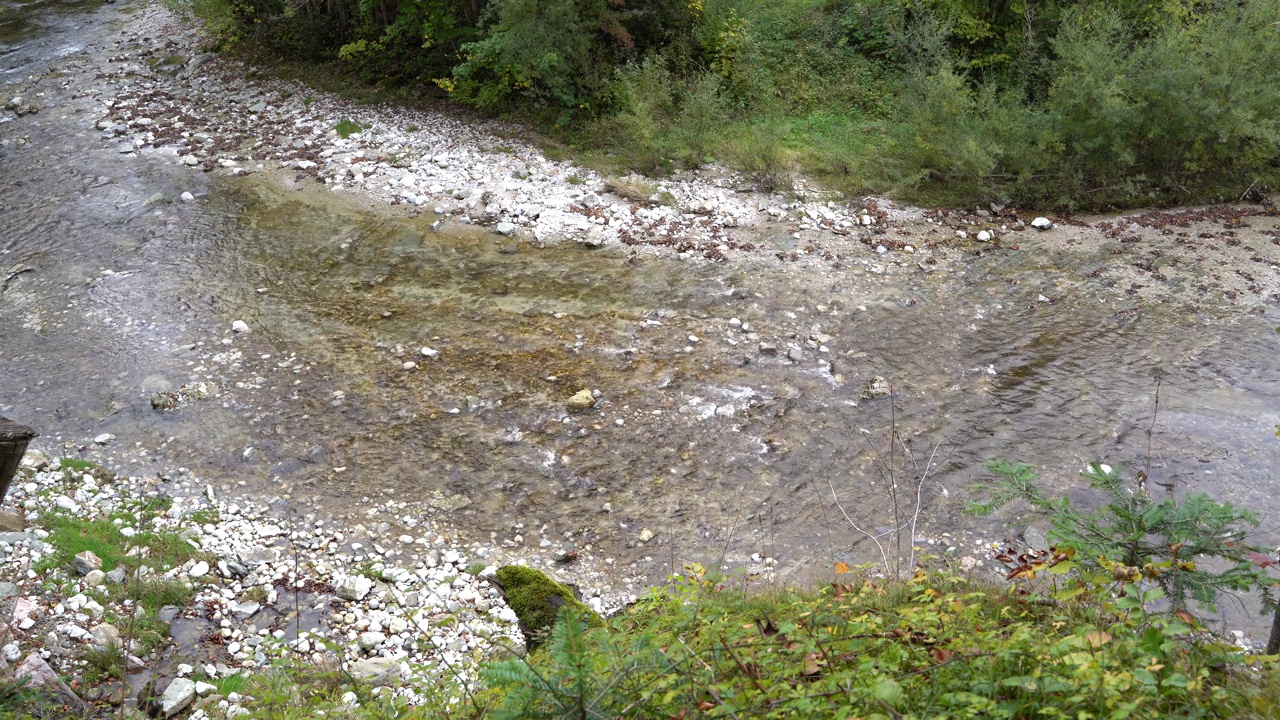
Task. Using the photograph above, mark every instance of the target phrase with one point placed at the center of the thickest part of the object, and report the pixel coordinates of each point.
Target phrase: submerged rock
(876, 387)
(582, 401)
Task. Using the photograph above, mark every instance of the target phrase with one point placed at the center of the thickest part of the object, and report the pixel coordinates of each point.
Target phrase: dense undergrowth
(1049, 102)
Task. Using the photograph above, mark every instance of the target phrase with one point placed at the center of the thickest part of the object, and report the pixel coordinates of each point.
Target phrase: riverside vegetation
(1071, 104)
(1107, 623)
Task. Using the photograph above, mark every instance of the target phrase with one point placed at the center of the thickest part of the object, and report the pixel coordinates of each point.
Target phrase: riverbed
(745, 398)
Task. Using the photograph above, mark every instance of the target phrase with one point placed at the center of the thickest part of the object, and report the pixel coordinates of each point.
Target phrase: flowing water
(113, 292)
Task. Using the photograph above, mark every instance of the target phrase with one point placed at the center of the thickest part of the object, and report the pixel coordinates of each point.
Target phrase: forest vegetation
(1093, 104)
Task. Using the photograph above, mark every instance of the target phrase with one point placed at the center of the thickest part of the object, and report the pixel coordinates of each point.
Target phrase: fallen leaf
(1186, 617)
(1097, 638)
(942, 655)
(841, 567)
(706, 705)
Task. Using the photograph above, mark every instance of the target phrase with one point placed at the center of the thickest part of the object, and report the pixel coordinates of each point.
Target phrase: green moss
(536, 599)
(346, 128)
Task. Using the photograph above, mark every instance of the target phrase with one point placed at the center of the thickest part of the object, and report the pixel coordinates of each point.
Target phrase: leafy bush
(933, 646)
(662, 120)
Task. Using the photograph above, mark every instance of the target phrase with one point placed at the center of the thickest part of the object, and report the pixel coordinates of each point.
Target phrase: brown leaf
(1186, 617)
(679, 715)
(841, 567)
(813, 663)
(706, 705)
(1097, 638)
(941, 654)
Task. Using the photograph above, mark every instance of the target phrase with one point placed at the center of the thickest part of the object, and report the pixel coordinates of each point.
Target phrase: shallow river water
(700, 445)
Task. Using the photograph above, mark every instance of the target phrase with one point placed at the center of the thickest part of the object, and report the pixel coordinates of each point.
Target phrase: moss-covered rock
(536, 599)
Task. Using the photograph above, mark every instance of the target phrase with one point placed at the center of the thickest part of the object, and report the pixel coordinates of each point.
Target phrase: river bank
(226, 588)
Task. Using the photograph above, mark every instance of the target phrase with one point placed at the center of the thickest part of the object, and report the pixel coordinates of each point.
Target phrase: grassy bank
(1105, 103)
(934, 646)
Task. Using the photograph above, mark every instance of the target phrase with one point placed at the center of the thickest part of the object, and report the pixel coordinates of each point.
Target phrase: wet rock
(240, 326)
(104, 438)
(186, 197)
(167, 613)
(86, 562)
(768, 349)
(1035, 539)
(177, 697)
(505, 228)
(876, 387)
(1042, 223)
(645, 535)
(164, 400)
(795, 355)
(581, 401)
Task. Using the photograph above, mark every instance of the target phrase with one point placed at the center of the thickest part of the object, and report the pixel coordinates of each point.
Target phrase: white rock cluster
(385, 620)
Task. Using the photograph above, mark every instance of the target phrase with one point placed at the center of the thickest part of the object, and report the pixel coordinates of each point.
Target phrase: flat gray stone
(177, 697)
(7, 590)
(167, 613)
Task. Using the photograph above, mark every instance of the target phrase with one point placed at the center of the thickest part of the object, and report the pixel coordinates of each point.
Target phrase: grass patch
(205, 516)
(103, 663)
(71, 535)
(346, 129)
(85, 466)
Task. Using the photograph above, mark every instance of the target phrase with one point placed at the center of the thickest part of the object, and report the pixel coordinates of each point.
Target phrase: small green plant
(205, 516)
(346, 129)
(475, 568)
(1136, 538)
(575, 180)
(104, 662)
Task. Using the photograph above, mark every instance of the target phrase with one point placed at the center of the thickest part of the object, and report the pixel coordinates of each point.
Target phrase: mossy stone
(536, 599)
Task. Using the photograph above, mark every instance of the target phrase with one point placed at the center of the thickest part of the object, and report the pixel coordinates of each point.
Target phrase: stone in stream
(1042, 223)
(876, 387)
(86, 562)
(167, 613)
(164, 400)
(505, 228)
(581, 401)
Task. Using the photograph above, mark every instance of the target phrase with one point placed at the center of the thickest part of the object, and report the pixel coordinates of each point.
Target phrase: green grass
(346, 129)
(83, 466)
(71, 535)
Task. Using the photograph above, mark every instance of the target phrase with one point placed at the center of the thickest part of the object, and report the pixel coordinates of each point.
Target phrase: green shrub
(1191, 547)
(933, 646)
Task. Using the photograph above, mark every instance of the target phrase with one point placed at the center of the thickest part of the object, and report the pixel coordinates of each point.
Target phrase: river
(702, 444)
